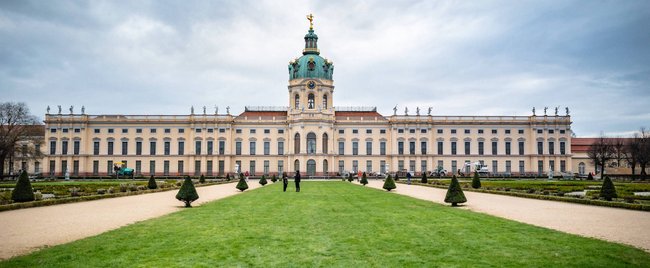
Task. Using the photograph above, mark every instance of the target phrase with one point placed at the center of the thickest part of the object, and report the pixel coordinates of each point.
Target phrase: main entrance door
(311, 167)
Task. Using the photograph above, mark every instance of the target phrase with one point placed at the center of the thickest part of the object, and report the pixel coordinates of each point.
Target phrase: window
(382, 167)
(369, 148)
(325, 142)
(197, 167)
(125, 130)
(507, 148)
(412, 130)
(494, 147)
(521, 167)
(296, 144)
(521, 131)
(401, 130)
(440, 148)
(382, 131)
(400, 147)
(480, 131)
(138, 148)
(197, 130)
(325, 101)
(341, 131)
(423, 166)
(168, 130)
(540, 167)
(96, 132)
(540, 147)
(355, 148)
(252, 131)
(562, 147)
(562, 166)
(238, 131)
(110, 130)
(453, 131)
(222, 130)
(280, 131)
(550, 131)
(540, 131)
(355, 131)
(152, 167)
(109, 167)
(152, 130)
(423, 130)
(52, 167)
(412, 165)
(95, 167)
(494, 131)
(508, 167)
(65, 130)
(480, 148)
(368, 131)
(412, 147)
(495, 166)
(551, 147)
(453, 148)
(341, 167)
(423, 147)
(267, 131)
(125, 147)
(467, 131)
(562, 131)
(167, 148)
(110, 148)
(238, 148)
(311, 143)
(382, 148)
(64, 147)
(521, 148)
(210, 130)
(507, 131)
(400, 164)
(181, 130)
(197, 147)
(75, 147)
(280, 166)
(467, 147)
(310, 101)
(341, 147)
(267, 148)
(280, 148)
(181, 167)
(208, 166)
(222, 147)
(96, 148)
(152, 148)
(181, 148)
(368, 166)
(77, 130)
(210, 147)
(252, 147)
(439, 131)
(266, 167)
(355, 166)
(296, 102)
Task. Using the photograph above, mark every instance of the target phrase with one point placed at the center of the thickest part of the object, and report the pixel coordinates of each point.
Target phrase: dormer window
(310, 101)
(311, 65)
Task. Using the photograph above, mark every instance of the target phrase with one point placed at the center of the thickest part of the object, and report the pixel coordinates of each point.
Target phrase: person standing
(408, 177)
(297, 180)
(285, 181)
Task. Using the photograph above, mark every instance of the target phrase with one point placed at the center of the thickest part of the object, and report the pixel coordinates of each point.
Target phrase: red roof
(581, 145)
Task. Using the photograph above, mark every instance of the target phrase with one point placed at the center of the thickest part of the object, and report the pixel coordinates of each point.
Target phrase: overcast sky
(460, 57)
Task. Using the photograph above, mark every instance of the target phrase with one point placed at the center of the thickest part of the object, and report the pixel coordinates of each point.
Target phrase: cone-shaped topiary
(263, 180)
(152, 183)
(364, 180)
(350, 178)
(274, 178)
(608, 191)
(242, 185)
(590, 177)
(476, 181)
(389, 184)
(455, 193)
(187, 193)
(202, 179)
(424, 178)
(23, 191)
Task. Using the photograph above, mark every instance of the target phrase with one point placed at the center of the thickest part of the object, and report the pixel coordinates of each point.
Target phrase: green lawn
(332, 224)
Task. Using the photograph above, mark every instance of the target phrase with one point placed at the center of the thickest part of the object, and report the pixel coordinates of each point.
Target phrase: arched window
(296, 144)
(325, 167)
(325, 101)
(325, 142)
(310, 101)
(297, 101)
(581, 168)
(311, 167)
(296, 165)
(311, 143)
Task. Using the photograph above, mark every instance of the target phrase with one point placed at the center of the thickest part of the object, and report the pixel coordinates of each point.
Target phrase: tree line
(634, 151)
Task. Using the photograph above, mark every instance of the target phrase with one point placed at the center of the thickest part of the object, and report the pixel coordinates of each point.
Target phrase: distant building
(310, 134)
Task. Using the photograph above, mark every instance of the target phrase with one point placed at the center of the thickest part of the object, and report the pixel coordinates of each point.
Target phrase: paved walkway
(27, 230)
(629, 227)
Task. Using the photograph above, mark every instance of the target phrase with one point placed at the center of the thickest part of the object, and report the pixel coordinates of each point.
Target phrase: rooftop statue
(430, 109)
(59, 108)
(48, 109)
(310, 18)
(567, 110)
(395, 110)
(533, 111)
(71, 109)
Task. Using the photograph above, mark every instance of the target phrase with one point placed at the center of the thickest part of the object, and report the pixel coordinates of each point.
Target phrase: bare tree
(600, 152)
(632, 150)
(643, 158)
(15, 125)
(618, 150)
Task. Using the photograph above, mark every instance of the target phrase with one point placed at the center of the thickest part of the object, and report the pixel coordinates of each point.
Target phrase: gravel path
(624, 226)
(27, 230)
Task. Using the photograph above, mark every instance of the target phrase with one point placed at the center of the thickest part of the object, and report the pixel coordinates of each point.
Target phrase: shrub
(101, 191)
(202, 179)
(530, 191)
(545, 192)
(396, 177)
(242, 185)
(179, 183)
(123, 187)
(133, 187)
(389, 184)
(608, 191)
(263, 180)
(74, 192)
(227, 176)
(364, 180)
(590, 177)
(424, 178)
(23, 191)
(274, 179)
(141, 188)
(110, 190)
(152, 183)
(187, 193)
(559, 193)
(350, 178)
(476, 181)
(455, 194)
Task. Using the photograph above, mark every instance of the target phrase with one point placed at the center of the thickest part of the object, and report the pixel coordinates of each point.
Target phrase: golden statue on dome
(310, 17)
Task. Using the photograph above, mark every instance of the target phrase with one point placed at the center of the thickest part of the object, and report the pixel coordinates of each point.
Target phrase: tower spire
(311, 38)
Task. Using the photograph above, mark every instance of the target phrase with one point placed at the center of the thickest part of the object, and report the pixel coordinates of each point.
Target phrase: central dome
(311, 64)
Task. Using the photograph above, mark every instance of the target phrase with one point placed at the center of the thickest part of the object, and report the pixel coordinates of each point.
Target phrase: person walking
(297, 180)
(285, 181)
(408, 178)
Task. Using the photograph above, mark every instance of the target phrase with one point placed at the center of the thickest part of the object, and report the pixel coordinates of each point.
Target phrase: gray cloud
(462, 58)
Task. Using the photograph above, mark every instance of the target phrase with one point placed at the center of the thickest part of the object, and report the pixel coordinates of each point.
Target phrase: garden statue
(59, 108)
(204, 109)
(48, 109)
(533, 111)
(228, 110)
(83, 109)
(545, 108)
(406, 110)
(417, 110)
(395, 110)
(556, 111)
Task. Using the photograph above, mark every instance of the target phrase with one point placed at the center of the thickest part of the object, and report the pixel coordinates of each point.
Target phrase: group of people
(285, 181)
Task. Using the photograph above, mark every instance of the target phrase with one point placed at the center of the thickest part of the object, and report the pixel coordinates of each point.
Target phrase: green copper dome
(311, 64)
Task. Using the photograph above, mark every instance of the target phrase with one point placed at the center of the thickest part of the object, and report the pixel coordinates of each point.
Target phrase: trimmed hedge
(583, 201)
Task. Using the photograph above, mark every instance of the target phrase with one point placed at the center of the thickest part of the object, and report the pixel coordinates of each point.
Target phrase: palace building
(311, 134)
